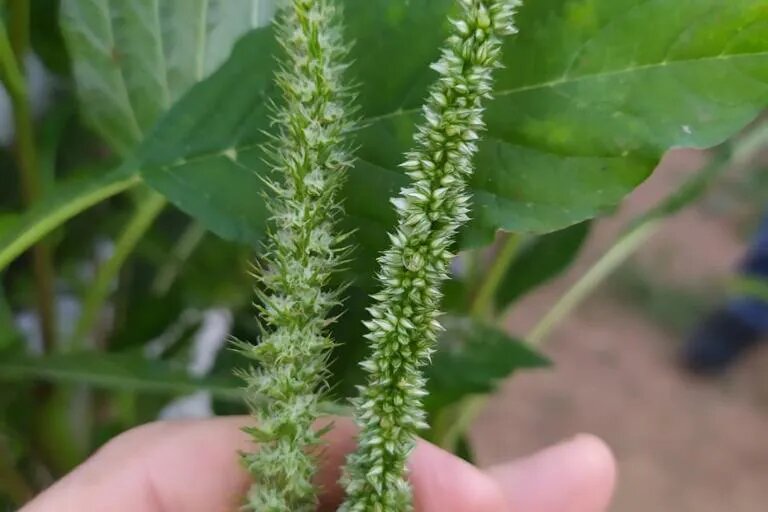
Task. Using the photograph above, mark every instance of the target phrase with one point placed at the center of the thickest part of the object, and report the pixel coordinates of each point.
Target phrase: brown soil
(683, 444)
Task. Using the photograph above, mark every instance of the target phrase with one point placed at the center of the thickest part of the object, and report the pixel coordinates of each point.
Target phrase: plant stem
(44, 290)
(643, 227)
(11, 63)
(18, 14)
(483, 303)
(146, 212)
(608, 262)
(185, 246)
(453, 421)
(12, 482)
(29, 232)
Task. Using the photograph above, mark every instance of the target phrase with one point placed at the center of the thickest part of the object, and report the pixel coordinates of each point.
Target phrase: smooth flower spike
(404, 326)
(309, 156)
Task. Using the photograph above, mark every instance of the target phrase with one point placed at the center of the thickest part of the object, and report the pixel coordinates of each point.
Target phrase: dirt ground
(683, 444)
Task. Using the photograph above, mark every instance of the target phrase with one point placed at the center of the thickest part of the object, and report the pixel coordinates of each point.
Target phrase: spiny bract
(404, 318)
(309, 157)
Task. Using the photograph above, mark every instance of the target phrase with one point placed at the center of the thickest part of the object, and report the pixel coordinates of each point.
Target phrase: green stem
(18, 16)
(181, 252)
(40, 224)
(643, 227)
(607, 263)
(453, 421)
(151, 206)
(482, 305)
(11, 64)
(44, 291)
(12, 483)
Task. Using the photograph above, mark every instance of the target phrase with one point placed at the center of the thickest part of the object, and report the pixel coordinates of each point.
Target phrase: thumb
(443, 482)
(574, 476)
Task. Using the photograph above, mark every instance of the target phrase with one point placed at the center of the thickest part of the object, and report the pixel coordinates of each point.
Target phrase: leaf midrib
(246, 146)
(570, 79)
(561, 81)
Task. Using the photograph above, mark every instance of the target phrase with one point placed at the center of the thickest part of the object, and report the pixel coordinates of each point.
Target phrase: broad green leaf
(133, 59)
(539, 261)
(592, 93)
(66, 200)
(204, 155)
(473, 358)
(115, 372)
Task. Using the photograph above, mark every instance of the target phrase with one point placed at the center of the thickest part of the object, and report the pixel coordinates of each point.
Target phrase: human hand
(191, 466)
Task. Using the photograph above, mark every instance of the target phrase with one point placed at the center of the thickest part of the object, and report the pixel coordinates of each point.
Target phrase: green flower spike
(404, 318)
(309, 157)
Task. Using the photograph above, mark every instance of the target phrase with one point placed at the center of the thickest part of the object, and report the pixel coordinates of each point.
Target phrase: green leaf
(204, 153)
(132, 60)
(589, 100)
(62, 203)
(114, 372)
(471, 359)
(539, 261)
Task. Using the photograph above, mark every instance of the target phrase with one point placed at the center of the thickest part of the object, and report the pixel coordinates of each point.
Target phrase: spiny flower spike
(404, 318)
(309, 156)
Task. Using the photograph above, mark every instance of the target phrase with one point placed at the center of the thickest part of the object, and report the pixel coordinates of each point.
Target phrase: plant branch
(453, 421)
(182, 250)
(38, 222)
(483, 303)
(608, 262)
(146, 212)
(11, 65)
(12, 482)
(19, 16)
(638, 232)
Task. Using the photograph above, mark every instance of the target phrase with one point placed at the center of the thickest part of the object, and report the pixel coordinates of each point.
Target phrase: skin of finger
(443, 482)
(169, 466)
(159, 467)
(191, 466)
(574, 476)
